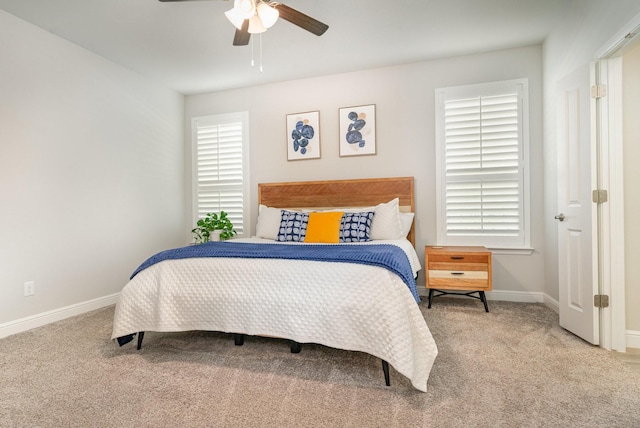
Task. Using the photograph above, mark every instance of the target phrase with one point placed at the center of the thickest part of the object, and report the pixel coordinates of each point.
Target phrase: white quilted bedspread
(341, 305)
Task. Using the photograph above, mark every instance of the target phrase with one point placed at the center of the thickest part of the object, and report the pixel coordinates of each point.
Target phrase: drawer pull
(457, 273)
(457, 257)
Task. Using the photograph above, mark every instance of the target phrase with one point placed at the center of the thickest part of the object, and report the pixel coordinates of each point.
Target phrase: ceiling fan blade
(301, 20)
(242, 36)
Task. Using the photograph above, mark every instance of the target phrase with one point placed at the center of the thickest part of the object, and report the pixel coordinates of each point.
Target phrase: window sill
(511, 251)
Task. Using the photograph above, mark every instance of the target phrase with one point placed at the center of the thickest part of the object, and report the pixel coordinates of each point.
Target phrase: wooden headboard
(340, 193)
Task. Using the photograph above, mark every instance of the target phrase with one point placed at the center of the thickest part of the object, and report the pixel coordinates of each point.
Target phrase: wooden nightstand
(458, 268)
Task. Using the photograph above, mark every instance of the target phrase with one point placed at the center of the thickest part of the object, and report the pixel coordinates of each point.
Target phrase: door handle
(560, 217)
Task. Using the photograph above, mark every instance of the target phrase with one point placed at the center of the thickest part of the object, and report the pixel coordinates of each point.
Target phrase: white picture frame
(357, 130)
(303, 135)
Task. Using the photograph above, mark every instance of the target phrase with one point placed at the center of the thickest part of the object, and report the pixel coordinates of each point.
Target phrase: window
(220, 169)
(482, 170)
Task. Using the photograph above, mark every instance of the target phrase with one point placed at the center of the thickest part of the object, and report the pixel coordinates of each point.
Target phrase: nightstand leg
(483, 297)
(430, 298)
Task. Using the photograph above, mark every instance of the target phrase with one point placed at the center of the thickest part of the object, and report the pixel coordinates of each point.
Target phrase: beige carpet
(511, 367)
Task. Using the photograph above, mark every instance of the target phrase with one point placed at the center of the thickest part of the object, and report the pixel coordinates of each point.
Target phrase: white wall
(586, 28)
(91, 172)
(631, 148)
(404, 99)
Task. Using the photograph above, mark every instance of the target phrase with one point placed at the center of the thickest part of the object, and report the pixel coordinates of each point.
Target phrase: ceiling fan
(255, 16)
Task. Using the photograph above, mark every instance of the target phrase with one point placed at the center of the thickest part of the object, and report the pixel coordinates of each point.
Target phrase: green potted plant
(206, 228)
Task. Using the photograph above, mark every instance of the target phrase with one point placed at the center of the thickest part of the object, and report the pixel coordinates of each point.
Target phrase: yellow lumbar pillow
(324, 227)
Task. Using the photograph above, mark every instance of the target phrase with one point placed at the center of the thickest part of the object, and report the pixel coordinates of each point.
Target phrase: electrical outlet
(29, 288)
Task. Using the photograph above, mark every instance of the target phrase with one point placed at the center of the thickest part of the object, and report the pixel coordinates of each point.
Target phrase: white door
(577, 236)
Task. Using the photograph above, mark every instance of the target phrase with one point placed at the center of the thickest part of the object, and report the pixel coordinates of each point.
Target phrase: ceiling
(187, 46)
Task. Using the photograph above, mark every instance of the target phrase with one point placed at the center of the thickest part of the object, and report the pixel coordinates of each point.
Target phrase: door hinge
(600, 196)
(598, 91)
(601, 301)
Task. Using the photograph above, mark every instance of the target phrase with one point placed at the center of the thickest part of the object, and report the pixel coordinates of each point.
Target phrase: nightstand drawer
(457, 279)
(459, 258)
(458, 274)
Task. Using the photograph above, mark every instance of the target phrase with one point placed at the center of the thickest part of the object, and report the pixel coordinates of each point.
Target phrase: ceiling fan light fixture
(255, 25)
(268, 14)
(235, 17)
(247, 8)
(256, 16)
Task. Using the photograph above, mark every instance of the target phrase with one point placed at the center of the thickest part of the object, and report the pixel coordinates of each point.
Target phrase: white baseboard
(510, 296)
(515, 296)
(633, 339)
(38, 320)
(551, 303)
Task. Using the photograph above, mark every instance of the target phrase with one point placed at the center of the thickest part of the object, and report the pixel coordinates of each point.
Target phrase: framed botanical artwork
(358, 130)
(303, 135)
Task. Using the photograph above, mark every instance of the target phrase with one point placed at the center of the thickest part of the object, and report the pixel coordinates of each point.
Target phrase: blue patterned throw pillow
(356, 227)
(293, 226)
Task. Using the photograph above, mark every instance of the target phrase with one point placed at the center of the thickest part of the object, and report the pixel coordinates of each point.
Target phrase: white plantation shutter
(483, 190)
(220, 184)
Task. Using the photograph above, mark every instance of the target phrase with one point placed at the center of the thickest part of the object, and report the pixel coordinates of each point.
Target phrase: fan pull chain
(252, 56)
(252, 64)
(260, 52)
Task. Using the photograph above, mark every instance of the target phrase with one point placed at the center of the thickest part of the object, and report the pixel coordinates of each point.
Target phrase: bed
(307, 292)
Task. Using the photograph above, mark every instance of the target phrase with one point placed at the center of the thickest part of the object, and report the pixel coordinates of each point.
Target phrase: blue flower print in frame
(358, 130)
(303, 135)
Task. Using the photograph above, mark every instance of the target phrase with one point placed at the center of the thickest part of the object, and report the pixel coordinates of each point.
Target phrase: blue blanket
(387, 256)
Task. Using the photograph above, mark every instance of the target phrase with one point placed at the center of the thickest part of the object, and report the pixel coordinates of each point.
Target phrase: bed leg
(238, 339)
(295, 347)
(140, 337)
(385, 369)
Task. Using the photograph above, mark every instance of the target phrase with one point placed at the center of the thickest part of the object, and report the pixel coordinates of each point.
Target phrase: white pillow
(386, 221)
(406, 219)
(342, 209)
(268, 223)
